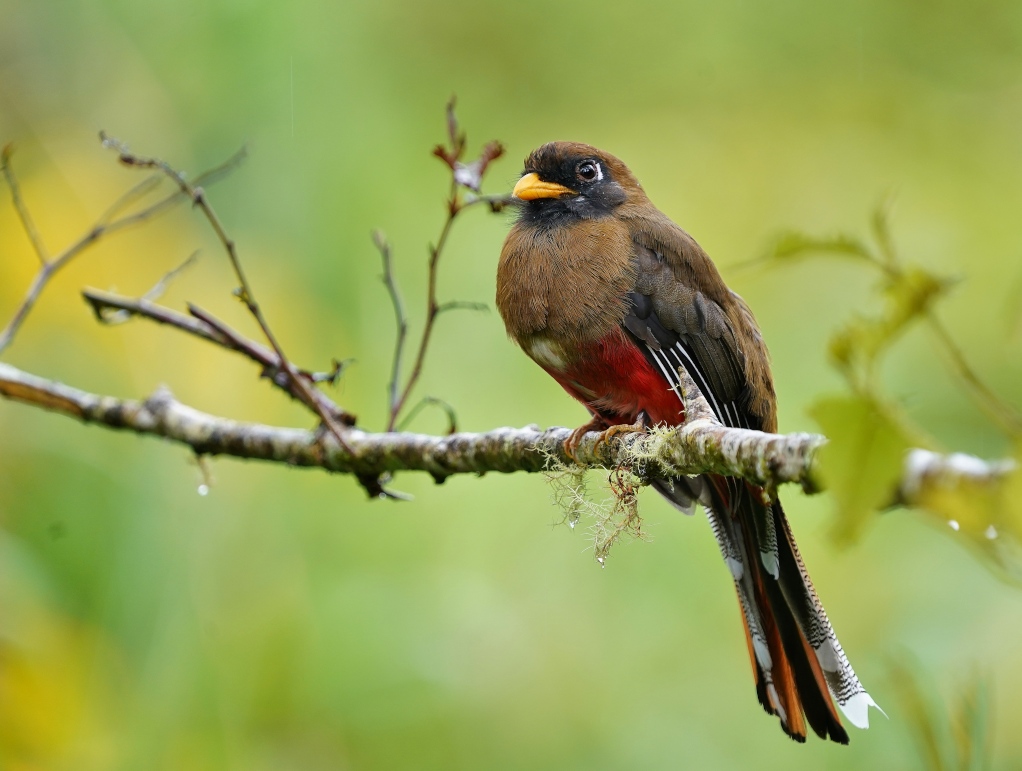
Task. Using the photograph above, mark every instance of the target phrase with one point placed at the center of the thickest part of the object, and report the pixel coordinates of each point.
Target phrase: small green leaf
(908, 295)
(863, 460)
(914, 290)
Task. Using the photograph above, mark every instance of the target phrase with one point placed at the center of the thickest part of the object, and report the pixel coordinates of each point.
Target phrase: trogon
(613, 300)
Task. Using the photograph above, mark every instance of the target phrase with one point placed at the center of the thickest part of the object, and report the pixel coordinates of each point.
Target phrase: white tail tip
(856, 709)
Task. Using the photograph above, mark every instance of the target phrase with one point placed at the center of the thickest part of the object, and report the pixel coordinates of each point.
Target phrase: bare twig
(19, 204)
(431, 401)
(304, 390)
(432, 307)
(401, 320)
(463, 175)
(337, 369)
(160, 286)
(461, 305)
(133, 195)
(112, 308)
(995, 407)
(107, 313)
(207, 327)
(104, 226)
(497, 203)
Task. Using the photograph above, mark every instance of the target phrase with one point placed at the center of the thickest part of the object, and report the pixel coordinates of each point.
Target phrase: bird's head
(569, 179)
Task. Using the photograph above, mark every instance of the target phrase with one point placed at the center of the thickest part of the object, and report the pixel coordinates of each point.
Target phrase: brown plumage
(612, 298)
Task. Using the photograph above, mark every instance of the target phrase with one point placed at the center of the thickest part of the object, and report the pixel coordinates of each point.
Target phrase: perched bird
(612, 299)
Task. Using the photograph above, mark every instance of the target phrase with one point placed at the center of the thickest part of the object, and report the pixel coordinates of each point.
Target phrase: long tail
(796, 657)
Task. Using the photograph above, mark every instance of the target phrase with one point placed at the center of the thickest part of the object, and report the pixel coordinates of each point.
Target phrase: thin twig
(160, 286)
(999, 411)
(19, 204)
(112, 308)
(103, 226)
(107, 314)
(204, 325)
(204, 179)
(339, 367)
(198, 197)
(431, 401)
(463, 175)
(462, 305)
(432, 306)
(497, 203)
(401, 320)
(133, 195)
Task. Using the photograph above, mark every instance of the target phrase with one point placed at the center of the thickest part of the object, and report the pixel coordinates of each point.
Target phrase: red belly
(613, 379)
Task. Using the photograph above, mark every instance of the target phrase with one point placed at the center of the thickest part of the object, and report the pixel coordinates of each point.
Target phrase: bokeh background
(285, 622)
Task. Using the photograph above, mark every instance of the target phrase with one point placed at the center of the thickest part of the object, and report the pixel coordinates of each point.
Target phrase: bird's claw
(606, 434)
(575, 437)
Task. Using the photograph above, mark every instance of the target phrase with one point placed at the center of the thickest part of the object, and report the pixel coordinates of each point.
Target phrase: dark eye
(587, 171)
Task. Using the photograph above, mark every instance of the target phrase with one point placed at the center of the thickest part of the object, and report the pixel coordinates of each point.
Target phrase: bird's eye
(587, 171)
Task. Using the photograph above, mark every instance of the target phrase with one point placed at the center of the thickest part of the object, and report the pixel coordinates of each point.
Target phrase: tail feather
(797, 660)
(807, 676)
(801, 597)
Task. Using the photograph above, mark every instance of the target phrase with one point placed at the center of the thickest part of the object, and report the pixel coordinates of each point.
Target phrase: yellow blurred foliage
(54, 710)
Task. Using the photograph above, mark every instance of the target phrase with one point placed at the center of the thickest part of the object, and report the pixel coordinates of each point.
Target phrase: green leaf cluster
(870, 434)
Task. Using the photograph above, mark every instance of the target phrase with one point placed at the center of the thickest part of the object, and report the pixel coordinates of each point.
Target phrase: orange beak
(530, 187)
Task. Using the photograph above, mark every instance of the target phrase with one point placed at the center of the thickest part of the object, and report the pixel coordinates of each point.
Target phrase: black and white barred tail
(799, 665)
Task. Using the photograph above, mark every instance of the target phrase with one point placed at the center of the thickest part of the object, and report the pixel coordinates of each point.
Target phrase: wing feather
(797, 659)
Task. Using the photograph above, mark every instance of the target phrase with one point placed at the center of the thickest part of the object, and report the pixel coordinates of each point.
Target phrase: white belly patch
(545, 353)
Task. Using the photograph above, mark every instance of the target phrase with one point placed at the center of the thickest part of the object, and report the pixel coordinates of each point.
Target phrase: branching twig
(198, 197)
(104, 226)
(463, 175)
(432, 307)
(206, 326)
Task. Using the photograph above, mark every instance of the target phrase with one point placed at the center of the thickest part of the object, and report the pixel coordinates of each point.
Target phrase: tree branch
(303, 390)
(700, 446)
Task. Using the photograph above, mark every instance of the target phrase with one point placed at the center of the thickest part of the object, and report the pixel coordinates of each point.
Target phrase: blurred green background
(283, 621)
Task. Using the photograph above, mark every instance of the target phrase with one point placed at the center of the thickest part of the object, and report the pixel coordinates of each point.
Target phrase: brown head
(567, 263)
(567, 180)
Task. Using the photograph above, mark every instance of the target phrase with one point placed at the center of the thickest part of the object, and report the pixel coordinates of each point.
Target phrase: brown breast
(565, 284)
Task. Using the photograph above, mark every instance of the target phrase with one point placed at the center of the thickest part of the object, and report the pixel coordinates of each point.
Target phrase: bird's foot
(574, 439)
(606, 433)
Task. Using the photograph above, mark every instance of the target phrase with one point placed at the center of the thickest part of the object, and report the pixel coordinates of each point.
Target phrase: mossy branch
(701, 446)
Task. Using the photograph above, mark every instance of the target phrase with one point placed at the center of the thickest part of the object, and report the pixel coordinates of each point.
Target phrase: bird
(613, 300)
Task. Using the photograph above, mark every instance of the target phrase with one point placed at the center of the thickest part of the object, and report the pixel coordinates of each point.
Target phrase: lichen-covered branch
(700, 446)
(926, 471)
